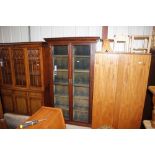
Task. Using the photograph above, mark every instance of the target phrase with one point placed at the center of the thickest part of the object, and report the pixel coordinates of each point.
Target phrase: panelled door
(71, 80)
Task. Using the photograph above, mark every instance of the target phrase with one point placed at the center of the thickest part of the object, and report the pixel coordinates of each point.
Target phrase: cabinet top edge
(23, 43)
(70, 39)
(111, 53)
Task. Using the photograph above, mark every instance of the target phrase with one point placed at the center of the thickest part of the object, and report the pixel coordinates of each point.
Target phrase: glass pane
(19, 67)
(81, 78)
(61, 50)
(34, 67)
(81, 108)
(81, 50)
(81, 91)
(82, 63)
(5, 66)
(81, 67)
(61, 62)
(60, 77)
(61, 90)
(62, 102)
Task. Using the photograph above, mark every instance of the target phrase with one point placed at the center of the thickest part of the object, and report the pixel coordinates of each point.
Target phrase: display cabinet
(71, 69)
(24, 77)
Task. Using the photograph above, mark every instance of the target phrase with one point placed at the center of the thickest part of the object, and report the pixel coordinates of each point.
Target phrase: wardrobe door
(105, 84)
(60, 78)
(131, 89)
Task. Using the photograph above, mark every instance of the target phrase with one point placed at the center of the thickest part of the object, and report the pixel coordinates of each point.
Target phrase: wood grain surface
(54, 119)
(120, 85)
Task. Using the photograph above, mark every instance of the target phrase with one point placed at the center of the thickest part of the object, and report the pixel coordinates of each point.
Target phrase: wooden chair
(122, 39)
(145, 42)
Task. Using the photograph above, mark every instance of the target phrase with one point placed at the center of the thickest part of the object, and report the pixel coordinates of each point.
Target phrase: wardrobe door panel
(105, 83)
(131, 90)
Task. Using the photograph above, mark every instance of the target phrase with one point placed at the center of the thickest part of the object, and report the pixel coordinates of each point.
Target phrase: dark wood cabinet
(71, 69)
(24, 80)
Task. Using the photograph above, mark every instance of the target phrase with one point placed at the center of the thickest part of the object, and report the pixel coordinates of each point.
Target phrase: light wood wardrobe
(120, 83)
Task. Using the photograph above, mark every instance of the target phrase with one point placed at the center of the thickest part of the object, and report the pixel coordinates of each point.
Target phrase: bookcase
(24, 78)
(71, 70)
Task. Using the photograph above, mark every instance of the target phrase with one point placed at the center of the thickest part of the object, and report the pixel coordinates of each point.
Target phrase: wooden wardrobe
(120, 84)
(24, 79)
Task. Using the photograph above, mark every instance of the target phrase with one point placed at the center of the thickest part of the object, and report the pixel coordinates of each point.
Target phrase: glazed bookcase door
(5, 66)
(81, 80)
(34, 67)
(19, 67)
(60, 78)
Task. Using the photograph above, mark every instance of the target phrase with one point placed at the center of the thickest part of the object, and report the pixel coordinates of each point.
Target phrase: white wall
(37, 33)
(13, 34)
(129, 30)
(40, 32)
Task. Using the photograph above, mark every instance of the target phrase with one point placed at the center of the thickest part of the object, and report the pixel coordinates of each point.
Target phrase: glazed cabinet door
(18, 57)
(5, 67)
(71, 81)
(35, 66)
(81, 82)
(131, 89)
(60, 78)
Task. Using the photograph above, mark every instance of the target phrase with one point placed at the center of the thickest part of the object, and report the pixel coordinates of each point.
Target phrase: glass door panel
(60, 79)
(81, 71)
(34, 67)
(19, 67)
(5, 66)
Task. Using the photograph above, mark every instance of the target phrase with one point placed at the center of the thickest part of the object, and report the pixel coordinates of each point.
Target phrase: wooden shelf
(81, 97)
(81, 71)
(59, 83)
(81, 85)
(55, 56)
(81, 56)
(61, 70)
(56, 95)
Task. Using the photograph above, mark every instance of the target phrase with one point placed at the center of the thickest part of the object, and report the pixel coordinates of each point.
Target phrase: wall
(13, 34)
(37, 33)
(129, 30)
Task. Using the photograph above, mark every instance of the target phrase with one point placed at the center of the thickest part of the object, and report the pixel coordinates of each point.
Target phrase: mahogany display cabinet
(71, 77)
